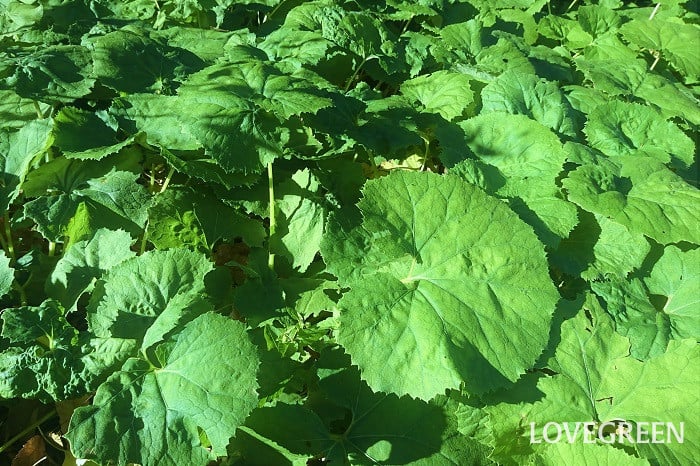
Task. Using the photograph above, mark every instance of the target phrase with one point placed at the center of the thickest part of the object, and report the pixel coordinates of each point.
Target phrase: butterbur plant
(444, 232)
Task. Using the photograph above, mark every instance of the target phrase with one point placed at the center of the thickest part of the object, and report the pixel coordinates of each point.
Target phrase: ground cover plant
(349, 232)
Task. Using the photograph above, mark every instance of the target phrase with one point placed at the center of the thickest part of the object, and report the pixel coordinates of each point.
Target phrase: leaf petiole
(8, 237)
(39, 114)
(169, 177)
(30, 428)
(273, 223)
(357, 70)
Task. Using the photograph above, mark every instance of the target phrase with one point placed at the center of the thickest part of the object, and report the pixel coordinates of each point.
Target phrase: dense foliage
(347, 232)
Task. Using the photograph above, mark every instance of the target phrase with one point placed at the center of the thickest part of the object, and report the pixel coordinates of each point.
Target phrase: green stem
(8, 236)
(273, 223)
(144, 239)
(656, 9)
(39, 114)
(357, 70)
(3, 243)
(274, 10)
(425, 155)
(167, 179)
(656, 61)
(19, 436)
(571, 5)
(405, 26)
(52, 248)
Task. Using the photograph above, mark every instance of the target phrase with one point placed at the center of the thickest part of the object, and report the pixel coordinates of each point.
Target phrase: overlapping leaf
(145, 298)
(615, 387)
(524, 94)
(348, 423)
(619, 128)
(641, 194)
(112, 201)
(179, 218)
(49, 359)
(443, 92)
(519, 159)
(180, 407)
(85, 262)
(671, 40)
(7, 274)
(236, 111)
(160, 68)
(60, 73)
(17, 151)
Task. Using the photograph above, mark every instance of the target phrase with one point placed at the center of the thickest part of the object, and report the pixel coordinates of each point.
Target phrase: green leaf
(178, 217)
(579, 454)
(7, 274)
(441, 278)
(16, 111)
(630, 76)
(298, 47)
(157, 116)
(167, 412)
(173, 223)
(301, 226)
(519, 159)
(113, 201)
(568, 31)
(85, 262)
(208, 44)
(261, 297)
(65, 175)
(159, 68)
(599, 247)
(598, 19)
(347, 423)
(49, 359)
(671, 38)
(459, 42)
(673, 99)
(525, 94)
(119, 192)
(230, 109)
(585, 99)
(70, 127)
(17, 15)
(259, 83)
(676, 277)
(640, 194)
(614, 75)
(443, 92)
(620, 128)
(200, 166)
(503, 56)
(17, 152)
(627, 301)
(146, 297)
(597, 381)
(59, 73)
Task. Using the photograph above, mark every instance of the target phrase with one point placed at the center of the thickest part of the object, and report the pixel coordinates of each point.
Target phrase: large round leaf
(447, 285)
(180, 410)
